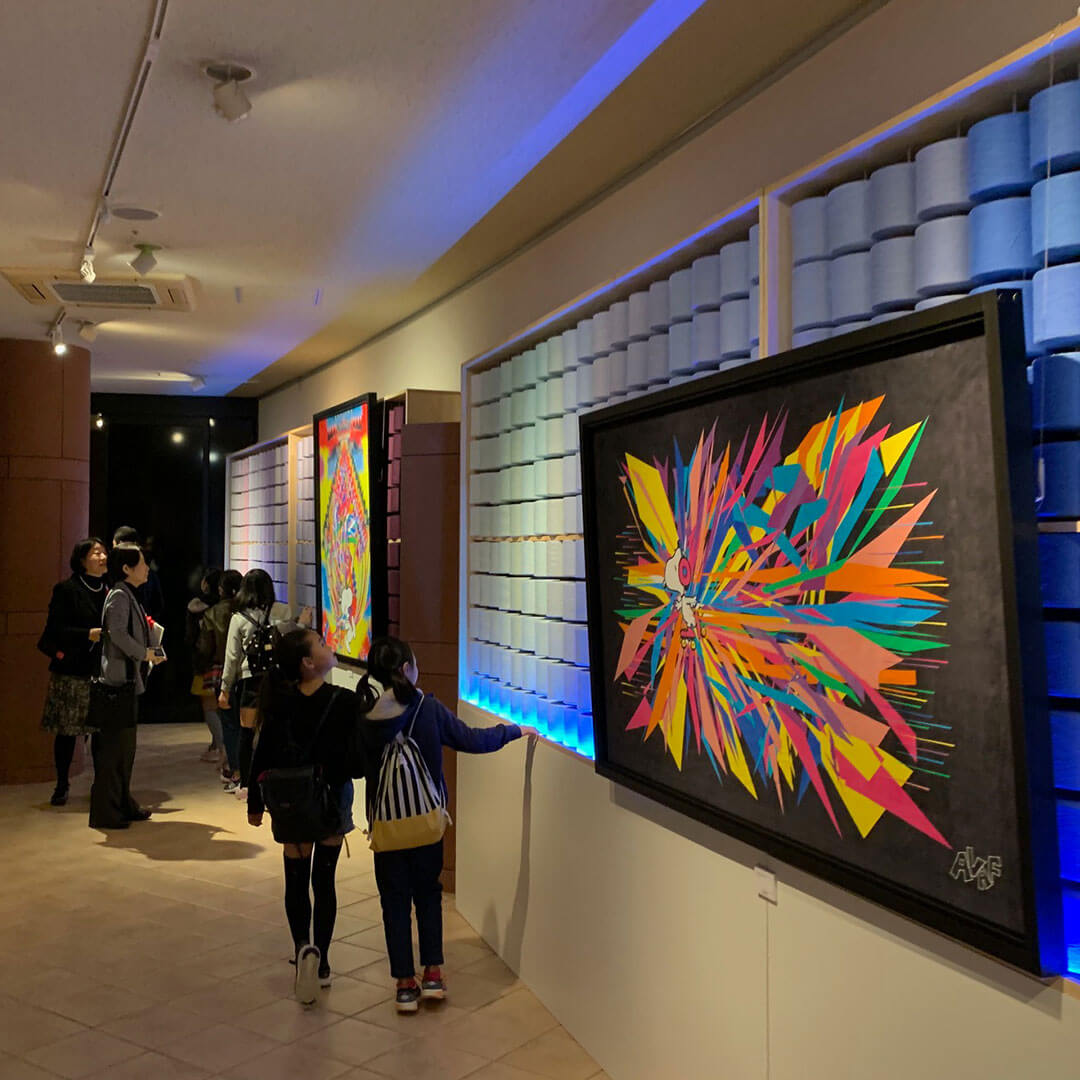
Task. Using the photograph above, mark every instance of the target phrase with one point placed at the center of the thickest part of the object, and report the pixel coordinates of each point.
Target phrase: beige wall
(640, 930)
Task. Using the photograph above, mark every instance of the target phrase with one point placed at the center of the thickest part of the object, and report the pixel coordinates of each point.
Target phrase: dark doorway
(158, 465)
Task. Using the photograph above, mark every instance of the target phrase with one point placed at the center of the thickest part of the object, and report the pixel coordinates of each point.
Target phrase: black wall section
(158, 464)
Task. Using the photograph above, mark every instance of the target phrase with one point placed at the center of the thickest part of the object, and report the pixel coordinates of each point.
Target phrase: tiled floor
(161, 952)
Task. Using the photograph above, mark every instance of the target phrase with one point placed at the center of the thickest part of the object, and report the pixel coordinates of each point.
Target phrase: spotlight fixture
(88, 331)
(178, 437)
(56, 336)
(230, 101)
(99, 421)
(86, 267)
(198, 383)
(144, 262)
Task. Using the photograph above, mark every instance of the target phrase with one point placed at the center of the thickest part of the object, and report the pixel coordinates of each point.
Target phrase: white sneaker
(307, 975)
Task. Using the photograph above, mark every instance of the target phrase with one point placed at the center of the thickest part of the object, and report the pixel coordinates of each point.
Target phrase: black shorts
(246, 693)
(343, 797)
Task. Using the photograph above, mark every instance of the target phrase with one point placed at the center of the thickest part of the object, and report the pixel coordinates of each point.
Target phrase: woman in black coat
(70, 640)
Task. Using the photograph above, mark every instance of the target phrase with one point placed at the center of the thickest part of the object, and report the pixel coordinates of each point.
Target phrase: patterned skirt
(67, 702)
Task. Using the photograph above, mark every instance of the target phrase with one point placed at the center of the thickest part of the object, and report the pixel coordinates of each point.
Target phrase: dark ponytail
(282, 680)
(385, 661)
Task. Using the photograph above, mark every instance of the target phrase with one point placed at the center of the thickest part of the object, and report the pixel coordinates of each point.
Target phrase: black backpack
(259, 647)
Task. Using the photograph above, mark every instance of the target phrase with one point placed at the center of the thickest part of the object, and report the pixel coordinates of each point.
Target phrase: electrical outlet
(766, 883)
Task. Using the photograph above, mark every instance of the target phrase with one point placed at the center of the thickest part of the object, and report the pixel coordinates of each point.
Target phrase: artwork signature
(970, 869)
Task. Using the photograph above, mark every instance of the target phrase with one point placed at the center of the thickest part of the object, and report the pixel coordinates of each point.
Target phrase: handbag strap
(293, 745)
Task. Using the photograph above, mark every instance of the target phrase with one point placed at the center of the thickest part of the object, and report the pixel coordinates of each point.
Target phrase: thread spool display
(657, 370)
(705, 290)
(569, 349)
(941, 179)
(1026, 291)
(601, 333)
(847, 218)
(735, 329)
(619, 324)
(753, 261)
(754, 316)
(638, 315)
(618, 372)
(734, 271)
(810, 337)
(892, 201)
(892, 274)
(810, 295)
(637, 365)
(942, 263)
(998, 150)
(1055, 129)
(1055, 219)
(809, 237)
(849, 288)
(601, 378)
(1056, 304)
(680, 349)
(1059, 569)
(584, 340)
(1001, 240)
(1061, 479)
(680, 307)
(938, 301)
(659, 306)
(1055, 393)
(705, 344)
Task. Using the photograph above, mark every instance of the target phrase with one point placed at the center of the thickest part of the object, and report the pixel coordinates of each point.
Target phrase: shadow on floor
(80, 804)
(178, 841)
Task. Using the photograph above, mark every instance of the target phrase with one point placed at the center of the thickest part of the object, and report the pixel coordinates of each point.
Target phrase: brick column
(44, 510)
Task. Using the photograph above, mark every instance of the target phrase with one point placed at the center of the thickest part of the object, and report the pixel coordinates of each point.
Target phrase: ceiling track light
(230, 101)
(145, 261)
(86, 267)
(56, 335)
(88, 331)
(197, 383)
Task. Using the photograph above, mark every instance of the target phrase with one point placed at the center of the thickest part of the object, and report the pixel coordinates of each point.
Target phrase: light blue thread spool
(998, 150)
(1055, 129)
(681, 348)
(753, 315)
(659, 307)
(892, 201)
(705, 289)
(1001, 240)
(941, 179)
(1061, 490)
(735, 329)
(1055, 393)
(734, 271)
(753, 240)
(584, 338)
(847, 328)
(638, 316)
(939, 301)
(849, 288)
(810, 296)
(892, 274)
(1059, 569)
(1055, 219)
(810, 337)
(619, 322)
(942, 261)
(847, 218)
(808, 236)
(705, 339)
(1056, 303)
(1028, 303)
(679, 303)
(888, 316)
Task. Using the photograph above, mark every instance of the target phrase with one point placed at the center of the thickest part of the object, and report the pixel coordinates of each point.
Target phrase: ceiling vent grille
(115, 292)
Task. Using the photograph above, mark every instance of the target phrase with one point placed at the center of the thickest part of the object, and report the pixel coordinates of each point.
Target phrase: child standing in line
(394, 711)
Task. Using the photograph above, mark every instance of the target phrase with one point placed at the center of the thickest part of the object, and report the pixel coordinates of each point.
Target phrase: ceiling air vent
(112, 292)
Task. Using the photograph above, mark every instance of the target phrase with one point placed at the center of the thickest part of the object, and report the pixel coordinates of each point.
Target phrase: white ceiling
(381, 133)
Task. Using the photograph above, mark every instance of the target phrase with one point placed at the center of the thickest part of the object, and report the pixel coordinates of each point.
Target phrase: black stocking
(323, 869)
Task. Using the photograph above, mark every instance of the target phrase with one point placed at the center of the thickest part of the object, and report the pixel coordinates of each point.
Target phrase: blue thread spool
(1026, 296)
(753, 315)
(659, 307)
(938, 301)
(680, 348)
(1057, 308)
(1059, 569)
(811, 337)
(584, 339)
(810, 295)
(888, 316)
(808, 235)
(847, 328)
(679, 304)
(1061, 469)
(892, 201)
(752, 240)
(705, 289)
(734, 271)
(941, 179)
(847, 218)
(942, 263)
(619, 324)
(1055, 392)
(637, 315)
(1055, 129)
(892, 274)
(735, 329)
(849, 288)
(1062, 658)
(705, 339)
(998, 150)
(1001, 240)
(1055, 228)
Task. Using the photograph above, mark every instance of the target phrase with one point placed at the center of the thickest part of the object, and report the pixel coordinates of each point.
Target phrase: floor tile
(82, 1054)
(353, 1041)
(289, 1063)
(219, 1047)
(554, 1056)
(426, 1023)
(151, 1066)
(348, 996)
(24, 1027)
(499, 1070)
(13, 1068)
(286, 1020)
(157, 1026)
(500, 1027)
(425, 1060)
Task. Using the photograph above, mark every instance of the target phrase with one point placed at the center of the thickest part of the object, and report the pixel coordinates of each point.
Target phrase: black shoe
(59, 796)
(139, 815)
(408, 998)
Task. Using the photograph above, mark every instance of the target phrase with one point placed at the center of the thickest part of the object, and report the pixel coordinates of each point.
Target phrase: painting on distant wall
(345, 442)
(803, 628)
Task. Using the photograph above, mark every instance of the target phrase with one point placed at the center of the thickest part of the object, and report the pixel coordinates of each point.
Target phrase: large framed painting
(349, 526)
(814, 620)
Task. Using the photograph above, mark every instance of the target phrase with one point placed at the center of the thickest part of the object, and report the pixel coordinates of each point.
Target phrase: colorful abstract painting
(343, 446)
(787, 604)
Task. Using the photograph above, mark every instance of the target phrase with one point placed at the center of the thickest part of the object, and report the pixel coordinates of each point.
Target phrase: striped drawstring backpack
(409, 810)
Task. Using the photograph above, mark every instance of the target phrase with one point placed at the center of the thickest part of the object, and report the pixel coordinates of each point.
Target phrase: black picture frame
(377, 509)
(1036, 944)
